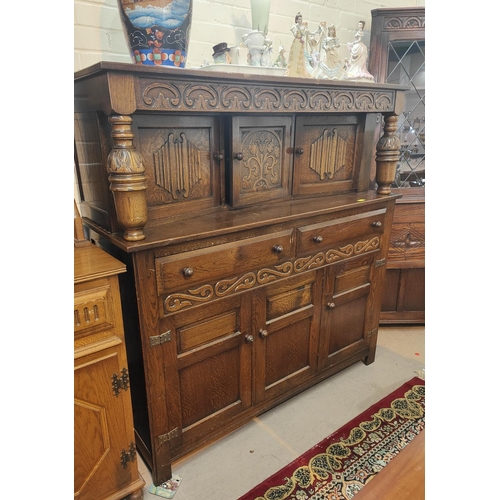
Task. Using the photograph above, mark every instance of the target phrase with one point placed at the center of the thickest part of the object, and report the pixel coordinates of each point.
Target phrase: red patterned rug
(340, 465)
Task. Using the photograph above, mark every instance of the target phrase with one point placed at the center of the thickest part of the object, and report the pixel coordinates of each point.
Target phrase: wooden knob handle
(249, 338)
(299, 151)
(376, 224)
(238, 156)
(318, 239)
(188, 272)
(330, 305)
(277, 249)
(263, 333)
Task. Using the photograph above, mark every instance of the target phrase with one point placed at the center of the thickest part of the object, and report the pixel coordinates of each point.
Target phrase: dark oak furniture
(254, 246)
(105, 465)
(397, 55)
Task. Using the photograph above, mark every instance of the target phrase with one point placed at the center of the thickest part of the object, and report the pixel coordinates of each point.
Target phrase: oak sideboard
(254, 230)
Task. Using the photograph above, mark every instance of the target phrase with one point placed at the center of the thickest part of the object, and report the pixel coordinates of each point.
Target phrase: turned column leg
(127, 180)
(388, 153)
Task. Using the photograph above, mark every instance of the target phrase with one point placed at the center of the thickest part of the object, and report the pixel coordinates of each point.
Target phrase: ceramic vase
(157, 31)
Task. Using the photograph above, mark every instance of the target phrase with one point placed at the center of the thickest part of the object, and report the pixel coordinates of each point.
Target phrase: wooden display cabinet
(105, 465)
(397, 55)
(256, 250)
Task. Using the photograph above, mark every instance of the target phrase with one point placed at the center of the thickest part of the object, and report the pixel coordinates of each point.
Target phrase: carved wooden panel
(326, 155)
(178, 155)
(261, 159)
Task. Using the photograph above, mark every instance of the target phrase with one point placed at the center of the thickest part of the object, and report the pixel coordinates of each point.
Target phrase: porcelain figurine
(259, 48)
(221, 54)
(330, 65)
(297, 61)
(280, 60)
(356, 66)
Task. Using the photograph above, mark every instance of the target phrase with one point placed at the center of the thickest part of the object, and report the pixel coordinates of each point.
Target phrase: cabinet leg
(136, 495)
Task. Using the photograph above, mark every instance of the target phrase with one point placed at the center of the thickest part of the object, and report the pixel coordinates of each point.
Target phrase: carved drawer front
(345, 237)
(93, 310)
(407, 241)
(183, 271)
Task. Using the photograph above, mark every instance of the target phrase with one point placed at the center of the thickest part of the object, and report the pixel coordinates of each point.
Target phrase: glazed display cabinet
(255, 249)
(397, 55)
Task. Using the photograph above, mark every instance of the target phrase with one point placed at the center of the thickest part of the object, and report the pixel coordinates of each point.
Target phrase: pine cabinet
(254, 242)
(105, 465)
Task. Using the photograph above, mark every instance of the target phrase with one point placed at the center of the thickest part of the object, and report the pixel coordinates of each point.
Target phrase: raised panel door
(345, 301)
(103, 427)
(212, 381)
(286, 322)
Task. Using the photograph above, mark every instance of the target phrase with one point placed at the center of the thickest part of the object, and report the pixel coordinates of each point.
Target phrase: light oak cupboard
(105, 456)
(254, 237)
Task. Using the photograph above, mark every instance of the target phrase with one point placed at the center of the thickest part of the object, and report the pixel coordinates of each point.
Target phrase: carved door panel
(345, 300)
(327, 154)
(286, 321)
(212, 383)
(103, 427)
(182, 158)
(260, 159)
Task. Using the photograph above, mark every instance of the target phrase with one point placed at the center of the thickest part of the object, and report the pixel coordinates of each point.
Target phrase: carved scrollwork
(307, 263)
(404, 22)
(334, 255)
(266, 275)
(181, 95)
(366, 246)
(233, 285)
(177, 301)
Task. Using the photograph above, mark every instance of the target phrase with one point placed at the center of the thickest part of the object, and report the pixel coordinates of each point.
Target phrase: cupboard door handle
(318, 239)
(249, 339)
(188, 272)
(277, 249)
(263, 333)
(330, 305)
(299, 151)
(376, 223)
(238, 156)
(219, 156)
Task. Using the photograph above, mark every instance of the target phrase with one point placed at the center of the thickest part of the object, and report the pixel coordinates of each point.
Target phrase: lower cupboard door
(345, 302)
(286, 335)
(213, 377)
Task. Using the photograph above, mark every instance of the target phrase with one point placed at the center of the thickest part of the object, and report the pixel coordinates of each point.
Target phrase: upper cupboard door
(261, 159)
(327, 154)
(181, 156)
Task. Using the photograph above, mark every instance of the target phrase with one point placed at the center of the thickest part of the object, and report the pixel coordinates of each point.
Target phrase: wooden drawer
(177, 272)
(347, 230)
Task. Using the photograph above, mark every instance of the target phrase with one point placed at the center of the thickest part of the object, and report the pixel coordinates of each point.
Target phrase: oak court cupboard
(254, 231)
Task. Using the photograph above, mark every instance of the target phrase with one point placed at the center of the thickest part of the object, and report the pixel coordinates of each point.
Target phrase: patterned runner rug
(340, 465)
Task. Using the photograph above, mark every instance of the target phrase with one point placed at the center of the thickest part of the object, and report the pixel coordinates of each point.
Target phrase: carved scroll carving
(404, 22)
(227, 287)
(177, 166)
(179, 95)
(328, 154)
(261, 151)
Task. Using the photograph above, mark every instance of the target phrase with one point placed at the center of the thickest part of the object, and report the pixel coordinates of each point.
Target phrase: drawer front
(347, 230)
(177, 272)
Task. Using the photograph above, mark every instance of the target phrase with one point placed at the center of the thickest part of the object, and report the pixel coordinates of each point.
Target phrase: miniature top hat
(220, 48)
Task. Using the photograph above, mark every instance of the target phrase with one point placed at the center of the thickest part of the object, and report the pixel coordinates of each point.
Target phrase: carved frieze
(177, 95)
(224, 288)
(404, 22)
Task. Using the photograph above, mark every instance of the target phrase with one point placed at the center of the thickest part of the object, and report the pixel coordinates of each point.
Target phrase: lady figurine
(356, 66)
(297, 62)
(330, 66)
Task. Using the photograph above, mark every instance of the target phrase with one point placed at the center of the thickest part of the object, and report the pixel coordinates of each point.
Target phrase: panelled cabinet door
(261, 159)
(345, 301)
(104, 434)
(286, 335)
(212, 383)
(182, 158)
(327, 154)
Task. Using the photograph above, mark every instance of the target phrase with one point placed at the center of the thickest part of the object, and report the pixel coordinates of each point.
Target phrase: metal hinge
(128, 456)
(120, 382)
(160, 339)
(168, 436)
(379, 263)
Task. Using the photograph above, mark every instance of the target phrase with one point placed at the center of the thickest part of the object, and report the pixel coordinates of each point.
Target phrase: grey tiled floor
(230, 467)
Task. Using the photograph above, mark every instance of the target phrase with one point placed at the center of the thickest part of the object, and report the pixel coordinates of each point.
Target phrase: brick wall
(98, 34)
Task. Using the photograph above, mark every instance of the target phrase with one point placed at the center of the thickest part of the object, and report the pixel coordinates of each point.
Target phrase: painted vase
(157, 31)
